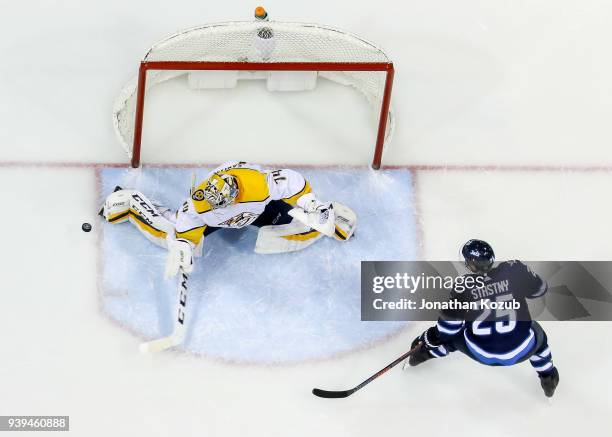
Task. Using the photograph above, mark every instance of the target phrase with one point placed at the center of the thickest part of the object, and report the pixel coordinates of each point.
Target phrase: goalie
(279, 202)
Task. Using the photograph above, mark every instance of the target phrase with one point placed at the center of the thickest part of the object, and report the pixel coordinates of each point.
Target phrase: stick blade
(331, 394)
(157, 345)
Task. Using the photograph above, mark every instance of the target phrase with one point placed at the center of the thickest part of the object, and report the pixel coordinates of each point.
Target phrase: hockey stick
(178, 335)
(330, 394)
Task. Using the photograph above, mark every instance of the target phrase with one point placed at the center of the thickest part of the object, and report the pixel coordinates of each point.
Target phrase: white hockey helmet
(220, 190)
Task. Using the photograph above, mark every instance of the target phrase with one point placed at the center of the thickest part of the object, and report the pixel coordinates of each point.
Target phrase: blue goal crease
(245, 307)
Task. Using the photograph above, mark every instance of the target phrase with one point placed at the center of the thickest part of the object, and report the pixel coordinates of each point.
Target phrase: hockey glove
(315, 214)
(429, 346)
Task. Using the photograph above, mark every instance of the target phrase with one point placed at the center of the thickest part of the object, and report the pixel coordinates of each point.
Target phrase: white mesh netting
(256, 41)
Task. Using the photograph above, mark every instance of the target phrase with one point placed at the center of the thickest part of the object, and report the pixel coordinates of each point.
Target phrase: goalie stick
(178, 335)
(331, 394)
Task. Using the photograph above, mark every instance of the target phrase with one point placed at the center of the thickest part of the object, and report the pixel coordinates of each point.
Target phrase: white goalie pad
(338, 222)
(346, 222)
(285, 238)
(150, 218)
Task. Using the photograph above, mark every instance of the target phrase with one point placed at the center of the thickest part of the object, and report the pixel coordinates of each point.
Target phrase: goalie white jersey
(256, 188)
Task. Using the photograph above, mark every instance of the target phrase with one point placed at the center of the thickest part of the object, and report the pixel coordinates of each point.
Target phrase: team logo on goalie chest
(240, 220)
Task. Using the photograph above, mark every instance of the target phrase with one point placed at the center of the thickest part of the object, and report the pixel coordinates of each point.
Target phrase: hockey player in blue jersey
(493, 337)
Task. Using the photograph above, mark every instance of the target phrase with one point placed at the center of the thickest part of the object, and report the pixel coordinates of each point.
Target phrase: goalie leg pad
(148, 217)
(285, 238)
(346, 222)
(117, 206)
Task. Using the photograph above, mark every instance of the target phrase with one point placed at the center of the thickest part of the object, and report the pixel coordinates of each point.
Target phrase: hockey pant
(539, 356)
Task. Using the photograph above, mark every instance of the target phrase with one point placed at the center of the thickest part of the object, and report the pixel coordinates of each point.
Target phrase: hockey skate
(549, 382)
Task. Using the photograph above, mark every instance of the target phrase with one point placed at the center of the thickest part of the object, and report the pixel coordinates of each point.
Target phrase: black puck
(86, 227)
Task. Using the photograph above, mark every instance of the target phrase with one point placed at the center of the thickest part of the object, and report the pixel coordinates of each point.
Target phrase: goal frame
(145, 66)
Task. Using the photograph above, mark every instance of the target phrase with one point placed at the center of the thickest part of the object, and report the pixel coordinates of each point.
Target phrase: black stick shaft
(384, 370)
(345, 393)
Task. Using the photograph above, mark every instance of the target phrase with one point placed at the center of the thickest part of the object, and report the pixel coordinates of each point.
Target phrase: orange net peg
(260, 12)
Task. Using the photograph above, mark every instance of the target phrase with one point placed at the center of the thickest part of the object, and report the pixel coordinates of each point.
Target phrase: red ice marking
(416, 204)
(503, 168)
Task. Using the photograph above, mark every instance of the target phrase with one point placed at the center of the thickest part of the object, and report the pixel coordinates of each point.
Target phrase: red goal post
(239, 47)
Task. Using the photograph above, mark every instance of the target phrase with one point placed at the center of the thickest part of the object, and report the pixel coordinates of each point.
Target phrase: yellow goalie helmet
(220, 190)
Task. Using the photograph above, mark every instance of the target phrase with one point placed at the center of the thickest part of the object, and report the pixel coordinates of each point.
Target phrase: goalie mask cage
(260, 46)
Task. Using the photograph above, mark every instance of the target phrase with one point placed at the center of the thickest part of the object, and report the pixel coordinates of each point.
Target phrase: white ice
(520, 88)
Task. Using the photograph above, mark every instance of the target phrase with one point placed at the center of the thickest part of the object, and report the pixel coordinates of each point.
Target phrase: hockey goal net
(290, 56)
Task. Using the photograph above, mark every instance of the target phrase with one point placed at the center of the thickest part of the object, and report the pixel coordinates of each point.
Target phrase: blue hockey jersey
(500, 335)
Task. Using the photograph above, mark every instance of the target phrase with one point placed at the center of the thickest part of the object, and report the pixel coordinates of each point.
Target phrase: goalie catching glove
(180, 256)
(332, 219)
(315, 214)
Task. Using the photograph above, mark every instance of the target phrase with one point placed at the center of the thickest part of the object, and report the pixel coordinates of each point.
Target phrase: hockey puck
(86, 227)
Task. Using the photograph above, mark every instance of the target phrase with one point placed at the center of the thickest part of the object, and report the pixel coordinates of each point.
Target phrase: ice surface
(493, 83)
(261, 308)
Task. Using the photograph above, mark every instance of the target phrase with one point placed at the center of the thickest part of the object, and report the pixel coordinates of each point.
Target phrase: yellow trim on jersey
(252, 185)
(194, 235)
(293, 199)
(138, 221)
(303, 236)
